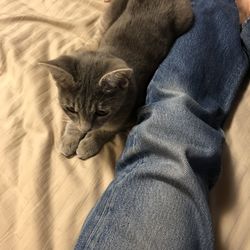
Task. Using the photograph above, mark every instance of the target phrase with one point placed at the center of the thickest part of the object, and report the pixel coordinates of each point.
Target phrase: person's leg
(158, 199)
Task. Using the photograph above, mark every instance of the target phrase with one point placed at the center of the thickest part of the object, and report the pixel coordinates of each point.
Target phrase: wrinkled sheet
(230, 198)
(44, 197)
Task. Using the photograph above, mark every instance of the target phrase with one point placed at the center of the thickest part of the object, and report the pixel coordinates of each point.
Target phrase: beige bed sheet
(230, 198)
(45, 197)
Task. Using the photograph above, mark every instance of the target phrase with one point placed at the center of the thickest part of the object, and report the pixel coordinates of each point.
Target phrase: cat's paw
(88, 147)
(68, 145)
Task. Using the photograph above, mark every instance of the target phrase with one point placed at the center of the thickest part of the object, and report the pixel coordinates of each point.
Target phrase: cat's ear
(116, 79)
(63, 70)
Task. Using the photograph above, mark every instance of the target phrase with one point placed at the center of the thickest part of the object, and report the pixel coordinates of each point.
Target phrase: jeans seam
(105, 209)
(98, 222)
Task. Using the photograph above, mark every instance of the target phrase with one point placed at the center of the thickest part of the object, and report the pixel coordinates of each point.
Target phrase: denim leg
(158, 199)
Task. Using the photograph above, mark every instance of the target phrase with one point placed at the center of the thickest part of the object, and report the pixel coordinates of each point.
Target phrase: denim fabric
(158, 199)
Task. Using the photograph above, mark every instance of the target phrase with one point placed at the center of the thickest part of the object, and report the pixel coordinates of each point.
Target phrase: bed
(44, 197)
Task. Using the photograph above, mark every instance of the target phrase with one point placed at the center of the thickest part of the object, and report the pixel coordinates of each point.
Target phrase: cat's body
(101, 90)
(144, 33)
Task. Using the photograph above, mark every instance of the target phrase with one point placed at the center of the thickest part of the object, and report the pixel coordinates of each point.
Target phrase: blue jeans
(159, 197)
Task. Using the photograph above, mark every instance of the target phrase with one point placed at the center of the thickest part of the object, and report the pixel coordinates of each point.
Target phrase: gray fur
(101, 90)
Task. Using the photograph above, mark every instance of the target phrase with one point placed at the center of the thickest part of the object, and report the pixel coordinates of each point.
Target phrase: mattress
(44, 197)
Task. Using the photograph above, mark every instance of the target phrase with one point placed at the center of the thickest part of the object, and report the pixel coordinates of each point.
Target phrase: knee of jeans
(178, 110)
(178, 128)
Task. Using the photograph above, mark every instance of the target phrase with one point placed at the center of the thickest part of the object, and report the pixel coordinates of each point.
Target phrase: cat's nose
(84, 126)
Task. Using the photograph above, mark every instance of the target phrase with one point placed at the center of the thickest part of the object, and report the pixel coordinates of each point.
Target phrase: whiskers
(65, 119)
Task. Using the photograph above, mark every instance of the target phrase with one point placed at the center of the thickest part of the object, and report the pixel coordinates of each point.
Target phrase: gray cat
(101, 90)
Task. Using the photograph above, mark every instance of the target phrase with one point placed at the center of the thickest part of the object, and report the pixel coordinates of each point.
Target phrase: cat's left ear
(63, 70)
(116, 79)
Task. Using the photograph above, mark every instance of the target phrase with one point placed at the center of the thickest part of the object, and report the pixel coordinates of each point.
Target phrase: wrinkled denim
(159, 197)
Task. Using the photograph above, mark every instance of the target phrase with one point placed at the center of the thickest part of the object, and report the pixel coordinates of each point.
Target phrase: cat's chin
(83, 130)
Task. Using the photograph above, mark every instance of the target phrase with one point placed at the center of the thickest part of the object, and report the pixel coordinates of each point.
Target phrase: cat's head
(92, 87)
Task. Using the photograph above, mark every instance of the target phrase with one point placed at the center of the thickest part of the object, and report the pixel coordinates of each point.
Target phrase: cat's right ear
(63, 70)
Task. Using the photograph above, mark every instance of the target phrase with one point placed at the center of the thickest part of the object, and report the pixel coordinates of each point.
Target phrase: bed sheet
(44, 197)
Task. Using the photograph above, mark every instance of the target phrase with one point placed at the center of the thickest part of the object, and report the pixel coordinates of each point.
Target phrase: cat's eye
(101, 113)
(71, 110)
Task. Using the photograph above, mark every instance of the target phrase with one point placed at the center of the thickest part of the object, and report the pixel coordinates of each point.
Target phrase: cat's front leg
(70, 140)
(92, 143)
